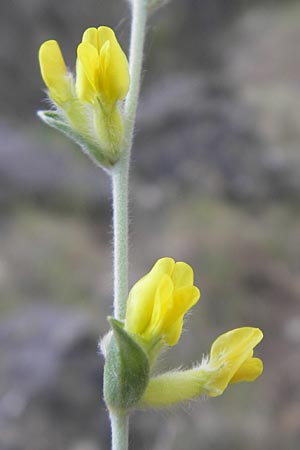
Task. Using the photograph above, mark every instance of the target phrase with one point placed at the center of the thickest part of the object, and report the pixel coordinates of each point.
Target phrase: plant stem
(120, 175)
(138, 31)
(120, 231)
(119, 429)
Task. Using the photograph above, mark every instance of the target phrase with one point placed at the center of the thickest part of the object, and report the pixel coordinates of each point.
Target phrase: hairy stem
(119, 428)
(120, 172)
(120, 175)
(120, 231)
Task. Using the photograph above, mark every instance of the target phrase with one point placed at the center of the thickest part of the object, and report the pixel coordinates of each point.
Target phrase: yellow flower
(102, 67)
(54, 72)
(157, 302)
(231, 359)
(89, 110)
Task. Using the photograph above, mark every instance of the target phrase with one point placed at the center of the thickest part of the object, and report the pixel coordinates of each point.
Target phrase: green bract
(126, 370)
(93, 151)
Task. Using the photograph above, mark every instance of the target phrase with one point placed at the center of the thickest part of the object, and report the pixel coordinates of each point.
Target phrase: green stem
(120, 173)
(119, 422)
(120, 229)
(138, 30)
(120, 176)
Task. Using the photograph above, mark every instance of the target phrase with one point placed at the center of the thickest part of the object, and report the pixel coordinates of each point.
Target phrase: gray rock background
(215, 182)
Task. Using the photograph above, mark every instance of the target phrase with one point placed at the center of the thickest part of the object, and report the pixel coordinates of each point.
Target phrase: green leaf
(126, 370)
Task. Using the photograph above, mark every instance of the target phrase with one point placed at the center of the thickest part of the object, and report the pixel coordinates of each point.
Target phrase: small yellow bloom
(157, 302)
(231, 359)
(54, 72)
(102, 67)
(89, 109)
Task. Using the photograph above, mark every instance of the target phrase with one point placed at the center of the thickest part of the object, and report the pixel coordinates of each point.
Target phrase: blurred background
(215, 182)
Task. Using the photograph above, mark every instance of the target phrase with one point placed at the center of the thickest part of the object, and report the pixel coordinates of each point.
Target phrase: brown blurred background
(215, 182)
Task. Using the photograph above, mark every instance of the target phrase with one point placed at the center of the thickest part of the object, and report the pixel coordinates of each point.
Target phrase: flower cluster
(89, 108)
(156, 307)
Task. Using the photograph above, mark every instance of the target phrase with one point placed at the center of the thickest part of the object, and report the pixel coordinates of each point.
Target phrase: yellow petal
(103, 83)
(91, 37)
(54, 71)
(235, 343)
(142, 295)
(228, 353)
(174, 332)
(249, 371)
(116, 76)
(183, 275)
(162, 306)
(84, 89)
(89, 59)
(163, 266)
(105, 34)
(185, 298)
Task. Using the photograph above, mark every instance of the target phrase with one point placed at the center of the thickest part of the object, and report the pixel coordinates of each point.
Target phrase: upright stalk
(120, 172)
(120, 233)
(120, 175)
(119, 429)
